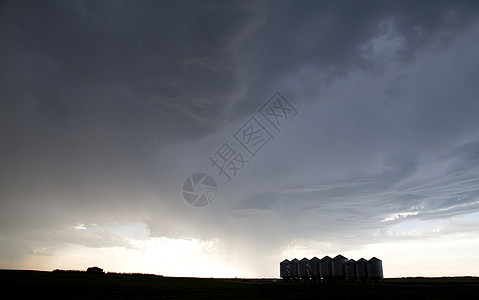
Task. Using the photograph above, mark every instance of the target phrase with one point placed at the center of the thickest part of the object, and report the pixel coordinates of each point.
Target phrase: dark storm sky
(107, 106)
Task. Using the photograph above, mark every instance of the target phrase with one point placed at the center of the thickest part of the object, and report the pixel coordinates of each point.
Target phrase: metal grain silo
(326, 268)
(350, 270)
(375, 268)
(303, 269)
(314, 267)
(362, 269)
(338, 267)
(294, 268)
(284, 269)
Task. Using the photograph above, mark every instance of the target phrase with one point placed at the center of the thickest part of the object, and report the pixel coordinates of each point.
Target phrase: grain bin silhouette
(314, 267)
(294, 268)
(284, 269)
(375, 268)
(350, 270)
(338, 267)
(303, 269)
(326, 268)
(361, 269)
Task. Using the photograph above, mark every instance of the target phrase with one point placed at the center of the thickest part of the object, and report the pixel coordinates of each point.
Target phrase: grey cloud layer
(92, 93)
(332, 38)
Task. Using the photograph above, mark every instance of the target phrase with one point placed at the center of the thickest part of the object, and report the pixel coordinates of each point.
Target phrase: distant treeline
(68, 271)
(133, 274)
(106, 273)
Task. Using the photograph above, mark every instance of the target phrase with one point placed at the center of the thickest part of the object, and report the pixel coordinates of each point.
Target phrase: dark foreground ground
(16, 284)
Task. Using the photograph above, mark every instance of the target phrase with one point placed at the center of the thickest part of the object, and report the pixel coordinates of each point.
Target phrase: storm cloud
(107, 106)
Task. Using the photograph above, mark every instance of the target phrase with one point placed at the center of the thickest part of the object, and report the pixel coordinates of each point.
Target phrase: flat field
(80, 285)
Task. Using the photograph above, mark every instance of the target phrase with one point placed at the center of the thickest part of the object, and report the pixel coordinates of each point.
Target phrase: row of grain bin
(338, 268)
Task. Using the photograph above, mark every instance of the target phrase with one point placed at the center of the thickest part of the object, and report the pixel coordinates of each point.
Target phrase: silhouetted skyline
(108, 107)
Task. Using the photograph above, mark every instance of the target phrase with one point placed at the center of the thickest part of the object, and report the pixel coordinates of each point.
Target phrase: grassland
(80, 285)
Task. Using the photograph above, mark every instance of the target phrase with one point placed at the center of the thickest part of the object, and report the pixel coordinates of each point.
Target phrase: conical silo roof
(375, 268)
(338, 266)
(303, 268)
(284, 269)
(350, 269)
(294, 267)
(361, 269)
(326, 267)
(314, 267)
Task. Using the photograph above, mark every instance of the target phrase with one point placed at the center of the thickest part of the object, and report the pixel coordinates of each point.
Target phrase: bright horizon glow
(180, 257)
(451, 255)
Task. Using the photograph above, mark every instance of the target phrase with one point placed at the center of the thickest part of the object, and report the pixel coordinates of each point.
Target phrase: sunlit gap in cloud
(127, 247)
(436, 256)
(430, 247)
